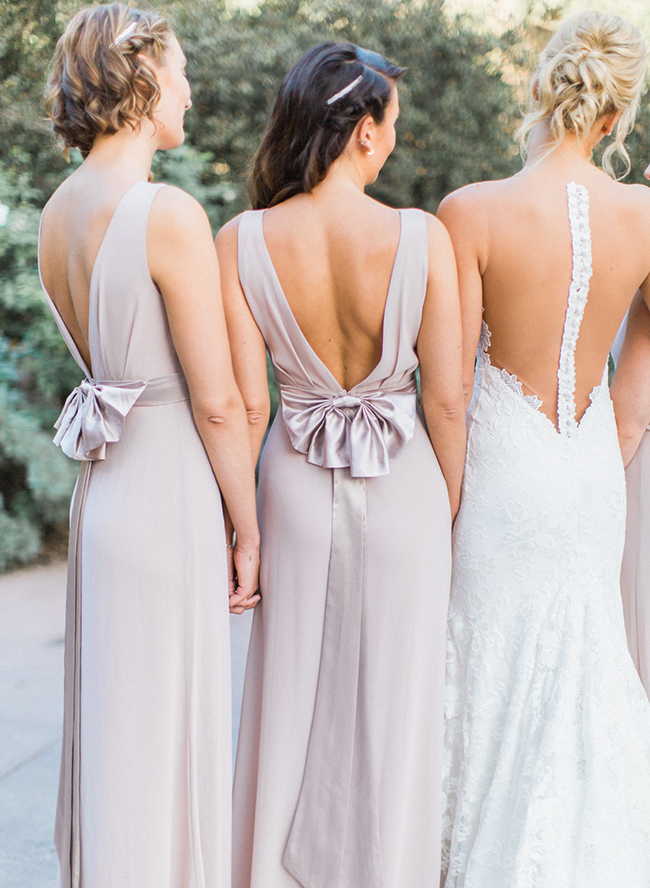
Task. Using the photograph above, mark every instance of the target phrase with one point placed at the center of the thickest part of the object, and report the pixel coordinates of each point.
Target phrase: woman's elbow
(217, 410)
(450, 409)
(258, 414)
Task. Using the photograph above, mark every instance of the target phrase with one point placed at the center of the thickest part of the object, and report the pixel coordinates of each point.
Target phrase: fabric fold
(334, 837)
(94, 413)
(363, 431)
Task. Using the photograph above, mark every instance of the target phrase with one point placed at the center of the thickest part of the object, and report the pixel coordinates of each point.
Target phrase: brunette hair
(310, 125)
(594, 65)
(99, 81)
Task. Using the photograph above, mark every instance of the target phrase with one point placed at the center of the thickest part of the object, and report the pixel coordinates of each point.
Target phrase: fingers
(242, 601)
(244, 593)
(231, 571)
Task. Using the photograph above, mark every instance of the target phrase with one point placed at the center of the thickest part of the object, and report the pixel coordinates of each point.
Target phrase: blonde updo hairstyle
(99, 80)
(593, 66)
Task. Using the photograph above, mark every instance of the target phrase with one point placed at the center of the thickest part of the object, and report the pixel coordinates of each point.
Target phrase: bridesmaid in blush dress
(338, 775)
(145, 789)
(631, 397)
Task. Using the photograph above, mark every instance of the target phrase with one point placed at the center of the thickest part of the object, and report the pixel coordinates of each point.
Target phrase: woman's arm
(246, 342)
(463, 216)
(184, 266)
(440, 354)
(631, 385)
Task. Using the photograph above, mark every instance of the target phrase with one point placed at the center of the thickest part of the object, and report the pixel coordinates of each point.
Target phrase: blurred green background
(468, 64)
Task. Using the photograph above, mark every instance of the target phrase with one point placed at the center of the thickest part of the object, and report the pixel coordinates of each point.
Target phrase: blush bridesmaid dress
(144, 799)
(635, 571)
(338, 774)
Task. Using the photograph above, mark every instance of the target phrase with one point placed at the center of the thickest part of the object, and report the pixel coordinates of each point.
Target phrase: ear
(535, 89)
(365, 130)
(609, 122)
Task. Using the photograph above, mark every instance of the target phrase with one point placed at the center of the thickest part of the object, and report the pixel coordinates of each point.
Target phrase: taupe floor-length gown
(338, 774)
(144, 797)
(635, 571)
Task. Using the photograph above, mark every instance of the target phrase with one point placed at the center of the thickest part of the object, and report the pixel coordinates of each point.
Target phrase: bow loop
(93, 416)
(364, 431)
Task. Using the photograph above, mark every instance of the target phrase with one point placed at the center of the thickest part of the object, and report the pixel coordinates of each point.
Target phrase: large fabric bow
(93, 416)
(364, 431)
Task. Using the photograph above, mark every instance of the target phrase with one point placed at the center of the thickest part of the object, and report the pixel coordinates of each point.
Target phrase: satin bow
(93, 416)
(364, 431)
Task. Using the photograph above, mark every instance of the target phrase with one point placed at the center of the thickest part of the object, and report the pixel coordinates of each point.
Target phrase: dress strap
(578, 202)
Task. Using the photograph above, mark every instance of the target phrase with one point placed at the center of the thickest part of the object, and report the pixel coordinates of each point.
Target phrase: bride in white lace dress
(547, 774)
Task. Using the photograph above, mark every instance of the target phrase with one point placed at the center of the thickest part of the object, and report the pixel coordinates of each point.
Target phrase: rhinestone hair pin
(126, 33)
(345, 90)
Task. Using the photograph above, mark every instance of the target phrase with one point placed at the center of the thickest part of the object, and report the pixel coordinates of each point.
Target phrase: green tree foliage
(28, 32)
(455, 124)
(36, 372)
(459, 102)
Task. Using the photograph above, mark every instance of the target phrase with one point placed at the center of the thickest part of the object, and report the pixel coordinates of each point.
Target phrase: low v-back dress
(144, 798)
(547, 750)
(338, 773)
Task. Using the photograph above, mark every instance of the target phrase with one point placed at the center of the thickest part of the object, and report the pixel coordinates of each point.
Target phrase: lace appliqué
(510, 379)
(547, 749)
(578, 200)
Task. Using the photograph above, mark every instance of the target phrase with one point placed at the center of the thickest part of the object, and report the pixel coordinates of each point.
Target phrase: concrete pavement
(32, 605)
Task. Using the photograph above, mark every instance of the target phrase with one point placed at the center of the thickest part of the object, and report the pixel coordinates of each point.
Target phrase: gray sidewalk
(31, 687)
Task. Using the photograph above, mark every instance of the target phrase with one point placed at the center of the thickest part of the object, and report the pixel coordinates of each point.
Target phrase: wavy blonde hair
(593, 66)
(96, 86)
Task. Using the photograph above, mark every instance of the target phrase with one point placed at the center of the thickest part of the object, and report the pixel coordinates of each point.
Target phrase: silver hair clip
(345, 90)
(126, 33)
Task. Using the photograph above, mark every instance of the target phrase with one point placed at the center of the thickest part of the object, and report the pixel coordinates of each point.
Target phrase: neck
(131, 152)
(544, 151)
(344, 174)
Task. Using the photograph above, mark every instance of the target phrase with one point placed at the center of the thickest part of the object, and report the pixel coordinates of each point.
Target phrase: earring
(364, 144)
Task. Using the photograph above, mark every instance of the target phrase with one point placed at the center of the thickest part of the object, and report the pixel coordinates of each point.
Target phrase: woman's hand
(178, 238)
(246, 586)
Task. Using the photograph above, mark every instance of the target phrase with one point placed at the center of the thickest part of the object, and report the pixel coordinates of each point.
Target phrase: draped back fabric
(335, 835)
(294, 362)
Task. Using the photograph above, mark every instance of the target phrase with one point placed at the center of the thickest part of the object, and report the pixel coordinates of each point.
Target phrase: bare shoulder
(638, 196)
(175, 214)
(464, 201)
(226, 239)
(60, 201)
(628, 207)
(437, 233)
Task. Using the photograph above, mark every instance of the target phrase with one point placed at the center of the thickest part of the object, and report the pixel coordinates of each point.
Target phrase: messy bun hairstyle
(99, 81)
(307, 131)
(594, 65)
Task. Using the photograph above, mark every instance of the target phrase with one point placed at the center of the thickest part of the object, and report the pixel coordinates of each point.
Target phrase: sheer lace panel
(510, 379)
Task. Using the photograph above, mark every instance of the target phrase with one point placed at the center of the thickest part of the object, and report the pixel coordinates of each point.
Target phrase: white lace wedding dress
(547, 772)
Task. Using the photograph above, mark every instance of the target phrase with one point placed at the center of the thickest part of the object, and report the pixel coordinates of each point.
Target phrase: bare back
(522, 257)
(74, 224)
(335, 269)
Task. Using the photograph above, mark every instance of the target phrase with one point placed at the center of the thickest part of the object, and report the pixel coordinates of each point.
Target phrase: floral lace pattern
(578, 199)
(547, 749)
(510, 379)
